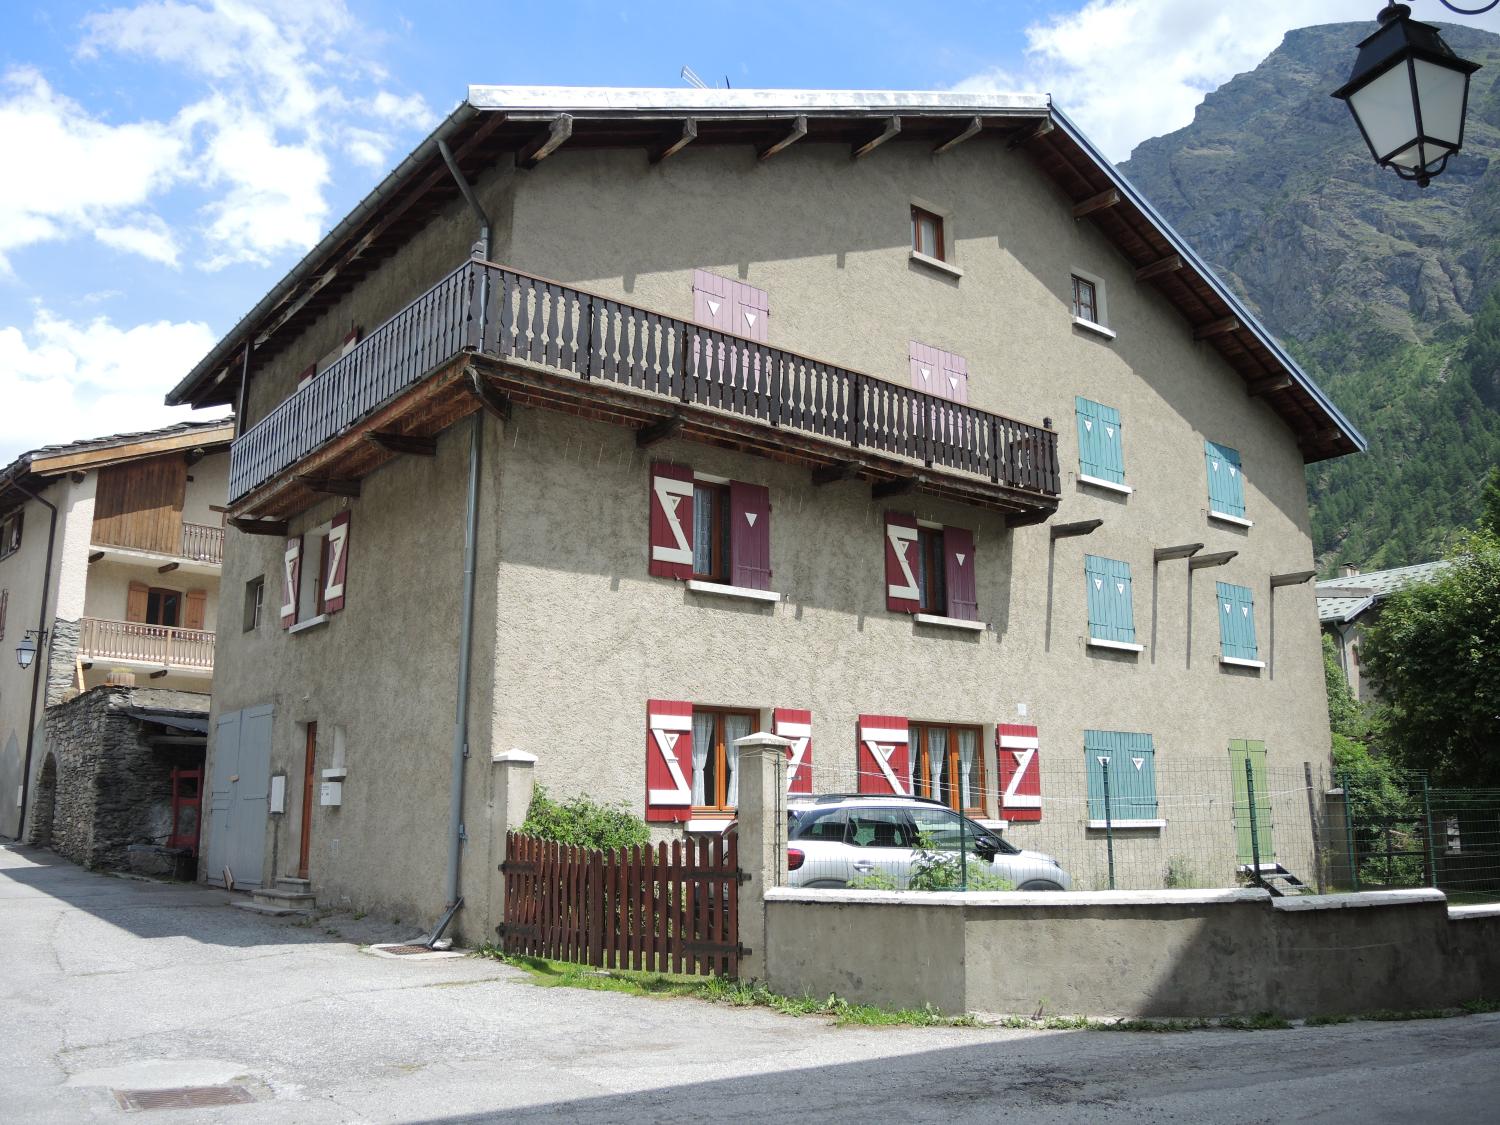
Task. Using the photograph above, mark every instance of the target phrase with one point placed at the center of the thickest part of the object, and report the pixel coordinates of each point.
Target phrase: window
(1101, 450)
(715, 778)
(927, 234)
(1237, 625)
(709, 530)
(930, 571)
(1125, 765)
(1111, 613)
(949, 832)
(880, 828)
(315, 572)
(10, 533)
(820, 824)
(947, 766)
(930, 576)
(1085, 300)
(255, 599)
(163, 607)
(1226, 483)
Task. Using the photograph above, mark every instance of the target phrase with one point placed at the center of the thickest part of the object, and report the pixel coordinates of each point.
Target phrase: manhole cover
(404, 950)
(182, 1097)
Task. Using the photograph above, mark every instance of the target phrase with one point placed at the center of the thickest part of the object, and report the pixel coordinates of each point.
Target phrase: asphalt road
(114, 984)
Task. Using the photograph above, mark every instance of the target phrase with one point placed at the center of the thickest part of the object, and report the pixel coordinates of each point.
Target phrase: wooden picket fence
(664, 909)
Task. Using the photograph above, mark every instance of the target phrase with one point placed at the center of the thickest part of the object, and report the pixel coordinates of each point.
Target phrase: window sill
(698, 586)
(1241, 662)
(1238, 521)
(1121, 646)
(1094, 327)
(949, 622)
(715, 826)
(936, 263)
(1100, 482)
(310, 623)
(1154, 824)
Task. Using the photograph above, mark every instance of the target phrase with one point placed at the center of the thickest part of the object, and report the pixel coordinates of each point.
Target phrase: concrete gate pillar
(762, 841)
(512, 782)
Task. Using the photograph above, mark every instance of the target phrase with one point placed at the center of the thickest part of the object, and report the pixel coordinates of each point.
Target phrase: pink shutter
(955, 377)
(926, 367)
(752, 312)
(338, 564)
(884, 759)
(901, 592)
(797, 726)
(1016, 747)
(307, 375)
(749, 535)
(291, 575)
(713, 301)
(669, 760)
(958, 551)
(671, 520)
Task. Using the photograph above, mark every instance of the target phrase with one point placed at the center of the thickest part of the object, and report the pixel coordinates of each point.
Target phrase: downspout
(466, 618)
(43, 658)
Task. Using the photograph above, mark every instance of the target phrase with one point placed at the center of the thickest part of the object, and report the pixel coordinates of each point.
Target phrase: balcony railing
(202, 543)
(504, 314)
(158, 645)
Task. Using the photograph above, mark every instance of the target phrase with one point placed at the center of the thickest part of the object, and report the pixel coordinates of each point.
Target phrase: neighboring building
(686, 529)
(1350, 604)
(112, 550)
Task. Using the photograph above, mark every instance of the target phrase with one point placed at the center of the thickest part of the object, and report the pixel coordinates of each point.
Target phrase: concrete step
(297, 900)
(268, 911)
(288, 882)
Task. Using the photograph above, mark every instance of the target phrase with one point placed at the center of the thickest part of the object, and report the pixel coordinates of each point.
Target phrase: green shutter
(1101, 450)
(1236, 608)
(1226, 480)
(1239, 750)
(1111, 614)
(1132, 774)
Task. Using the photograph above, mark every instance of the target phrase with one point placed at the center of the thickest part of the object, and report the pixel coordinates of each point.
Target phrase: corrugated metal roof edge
(1180, 244)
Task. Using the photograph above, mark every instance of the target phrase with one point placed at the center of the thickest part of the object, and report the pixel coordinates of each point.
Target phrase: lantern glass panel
(1441, 91)
(1386, 111)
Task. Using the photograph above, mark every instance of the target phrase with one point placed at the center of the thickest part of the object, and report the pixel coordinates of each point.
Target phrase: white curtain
(913, 759)
(703, 532)
(703, 746)
(735, 726)
(937, 759)
(968, 766)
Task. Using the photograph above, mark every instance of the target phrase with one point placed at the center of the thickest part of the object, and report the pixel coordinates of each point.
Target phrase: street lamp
(26, 650)
(1408, 94)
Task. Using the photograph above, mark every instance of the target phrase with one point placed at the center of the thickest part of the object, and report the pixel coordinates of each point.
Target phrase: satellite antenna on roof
(690, 76)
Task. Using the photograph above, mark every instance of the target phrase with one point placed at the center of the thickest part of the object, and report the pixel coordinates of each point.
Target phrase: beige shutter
(135, 601)
(197, 604)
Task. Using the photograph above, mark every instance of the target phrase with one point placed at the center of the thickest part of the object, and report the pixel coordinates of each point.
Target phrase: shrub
(934, 870)
(873, 881)
(583, 822)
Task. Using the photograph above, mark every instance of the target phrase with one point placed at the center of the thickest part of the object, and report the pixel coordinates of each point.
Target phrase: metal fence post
(1427, 812)
(1349, 830)
(1109, 824)
(963, 851)
(1254, 823)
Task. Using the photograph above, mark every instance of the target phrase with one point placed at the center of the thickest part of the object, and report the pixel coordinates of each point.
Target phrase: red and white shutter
(338, 564)
(671, 520)
(901, 548)
(749, 535)
(291, 576)
(958, 552)
(797, 726)
(884, 758)
(1016, 747)
(669, 760)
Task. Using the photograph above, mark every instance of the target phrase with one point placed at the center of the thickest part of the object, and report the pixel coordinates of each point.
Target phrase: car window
(879, 828)
(942, 829)
(819, 824)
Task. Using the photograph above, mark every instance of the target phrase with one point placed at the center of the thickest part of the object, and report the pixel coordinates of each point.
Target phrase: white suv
(836, 838)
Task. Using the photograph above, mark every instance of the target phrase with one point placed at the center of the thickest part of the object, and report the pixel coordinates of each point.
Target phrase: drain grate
(405, 950)
(182, 1097)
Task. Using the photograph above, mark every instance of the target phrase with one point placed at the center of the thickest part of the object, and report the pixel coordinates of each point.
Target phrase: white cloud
(411, 111)
(64, 381)
(1126, 70)
(146, 235)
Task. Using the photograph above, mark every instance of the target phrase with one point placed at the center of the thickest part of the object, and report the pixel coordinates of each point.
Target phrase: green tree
(1434, 655)
(1489, 514)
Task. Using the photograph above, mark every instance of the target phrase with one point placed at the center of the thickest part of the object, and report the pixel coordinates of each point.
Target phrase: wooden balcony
(203, 543)
(490, 334)
(132, 642)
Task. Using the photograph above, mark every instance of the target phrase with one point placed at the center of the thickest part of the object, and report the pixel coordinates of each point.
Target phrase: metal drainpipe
(466, 622)
(43, 659)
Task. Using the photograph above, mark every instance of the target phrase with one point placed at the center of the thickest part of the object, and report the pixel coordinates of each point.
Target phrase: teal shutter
(1101, 451)
(1237, 621)
(1245, 848)
(1226, 480)
(1132, 774)
(1111, 613)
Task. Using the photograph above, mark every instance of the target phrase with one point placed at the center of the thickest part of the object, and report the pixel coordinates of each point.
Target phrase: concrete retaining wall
(1169, 953)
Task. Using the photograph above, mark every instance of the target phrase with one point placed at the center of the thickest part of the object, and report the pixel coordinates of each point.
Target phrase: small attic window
(927, 234)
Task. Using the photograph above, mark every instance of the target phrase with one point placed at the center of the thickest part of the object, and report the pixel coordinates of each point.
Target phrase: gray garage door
(239, 795)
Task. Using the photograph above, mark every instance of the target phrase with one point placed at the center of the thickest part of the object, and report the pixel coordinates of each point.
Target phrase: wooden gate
(665, 910)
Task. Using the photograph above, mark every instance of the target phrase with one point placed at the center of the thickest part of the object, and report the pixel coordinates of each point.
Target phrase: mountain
(1389, 294)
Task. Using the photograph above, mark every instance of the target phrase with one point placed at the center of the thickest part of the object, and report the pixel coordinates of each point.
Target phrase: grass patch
(1479, 1007)
(1261, 1021)
(1387, 1015)
(1326, 1021)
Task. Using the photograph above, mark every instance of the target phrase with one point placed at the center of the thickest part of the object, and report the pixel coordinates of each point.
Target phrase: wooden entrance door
(309, 773)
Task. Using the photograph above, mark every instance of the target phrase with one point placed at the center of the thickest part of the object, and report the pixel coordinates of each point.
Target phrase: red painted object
(750, 535)
(788, 722)
(669, 760)
(187, 809)
(1019, 754)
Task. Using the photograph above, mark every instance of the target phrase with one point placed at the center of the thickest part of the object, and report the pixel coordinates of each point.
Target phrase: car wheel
(1039, 885)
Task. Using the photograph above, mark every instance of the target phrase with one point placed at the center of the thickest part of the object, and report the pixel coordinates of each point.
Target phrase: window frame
(720, 551)
(255, 602)
(919, 774)
(932, 571)
(11, 527)
(1079, 284)
(718, 755)
(161, 593)
(918, 213)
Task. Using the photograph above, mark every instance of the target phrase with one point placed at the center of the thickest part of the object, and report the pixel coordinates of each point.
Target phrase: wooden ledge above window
(949, 622)
(720, 589)
(936, 263)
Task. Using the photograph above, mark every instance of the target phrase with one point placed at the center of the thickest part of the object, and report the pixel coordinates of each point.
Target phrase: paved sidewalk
(119, 984)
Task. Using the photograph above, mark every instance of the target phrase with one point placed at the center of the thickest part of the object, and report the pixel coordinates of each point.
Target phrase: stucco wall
(209, 485)
(1167, 954)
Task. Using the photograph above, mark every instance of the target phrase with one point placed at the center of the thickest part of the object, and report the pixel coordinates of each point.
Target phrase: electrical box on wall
(278, 793)
(332, 793)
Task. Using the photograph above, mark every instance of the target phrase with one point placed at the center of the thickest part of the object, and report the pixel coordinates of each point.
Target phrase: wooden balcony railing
(502, 313)
(160, 645)
(202, 543)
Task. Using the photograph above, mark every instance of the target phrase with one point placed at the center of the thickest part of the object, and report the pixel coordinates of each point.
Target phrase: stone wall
(113, 787)
(62, 661)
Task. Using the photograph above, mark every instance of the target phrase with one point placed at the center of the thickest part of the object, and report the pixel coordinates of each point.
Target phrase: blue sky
(169, 160)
